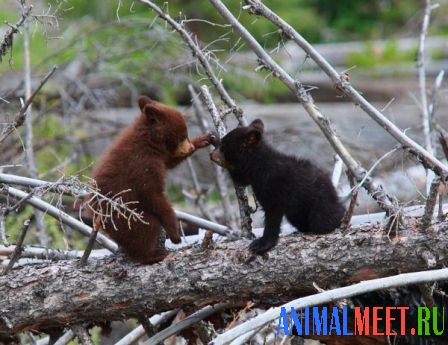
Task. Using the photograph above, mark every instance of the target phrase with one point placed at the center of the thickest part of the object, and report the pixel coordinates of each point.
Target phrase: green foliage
(354, 19)
(373, 56)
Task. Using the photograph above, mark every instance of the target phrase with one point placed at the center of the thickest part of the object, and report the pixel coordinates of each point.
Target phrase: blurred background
(110, 52)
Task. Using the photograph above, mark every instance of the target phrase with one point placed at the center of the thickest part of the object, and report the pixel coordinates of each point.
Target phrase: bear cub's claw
(214, 139)
(260, 246)
(203, 141)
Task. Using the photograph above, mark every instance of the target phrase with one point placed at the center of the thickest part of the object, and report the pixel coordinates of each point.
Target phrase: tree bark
(59, 294)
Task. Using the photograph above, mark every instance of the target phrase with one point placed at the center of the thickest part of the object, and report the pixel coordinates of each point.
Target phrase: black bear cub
(284, 185)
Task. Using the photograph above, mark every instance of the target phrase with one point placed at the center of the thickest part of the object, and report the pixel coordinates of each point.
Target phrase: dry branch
(18, 249)
(187, 322)
(139, 331)
(343, 84)
(221, 182)
(8, 39)
(202, 57)
(113, 289)
(20, 117)
(199, 54)
(50, 254)
(430, 204)
(243, 202)
(63, 217)
(426, 121)
(385, 201)
(332, 296)
(79, 190)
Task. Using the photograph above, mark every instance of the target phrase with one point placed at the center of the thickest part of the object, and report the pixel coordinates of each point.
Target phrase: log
(46, 295)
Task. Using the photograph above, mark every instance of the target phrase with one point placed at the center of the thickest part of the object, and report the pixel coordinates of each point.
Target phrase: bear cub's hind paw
(261, 246)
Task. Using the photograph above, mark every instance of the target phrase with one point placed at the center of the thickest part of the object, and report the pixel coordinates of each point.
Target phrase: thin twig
(342, 83)
(337, 171)
(440, 214)
(63, 340)
(203, 58)
(63, 217)
(187, 322)
(147, 326)
(20, 116)
(430, 204)
(376, 191)
(221, 182)
(139, 331)
(18, 249)
(199, 54)
(89, 247)
(435, 90)
(243, 203)
(346, 220)
(80, 190)
(50, 254)
(331, 296)
(8, 39)
(29, 151)
(66, 337)
(425, 117)
(199, 197)
(3, 213)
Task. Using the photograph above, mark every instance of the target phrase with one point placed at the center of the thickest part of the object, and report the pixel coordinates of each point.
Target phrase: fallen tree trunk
(58, 294)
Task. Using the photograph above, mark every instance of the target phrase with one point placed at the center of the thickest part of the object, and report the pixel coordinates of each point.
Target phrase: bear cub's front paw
(260, 246)
(175, 239)
(203, 141)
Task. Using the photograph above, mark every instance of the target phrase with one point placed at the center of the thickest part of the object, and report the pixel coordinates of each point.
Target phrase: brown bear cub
(284, 185)
(137, 163)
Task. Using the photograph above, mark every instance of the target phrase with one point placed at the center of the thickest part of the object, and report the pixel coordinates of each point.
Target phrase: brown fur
(137, 161)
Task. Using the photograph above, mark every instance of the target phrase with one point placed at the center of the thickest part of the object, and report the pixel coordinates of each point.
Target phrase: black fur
(284, 185)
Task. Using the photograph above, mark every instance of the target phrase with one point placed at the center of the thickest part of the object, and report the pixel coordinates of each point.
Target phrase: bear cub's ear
(143, 101)
(258, 124)
(150, 108)
(255, 132)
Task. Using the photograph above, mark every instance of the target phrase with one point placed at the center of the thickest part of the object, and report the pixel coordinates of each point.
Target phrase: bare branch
(147, 326)
(187, 322)
(216, 117)
(376, 191)
(430, 204)
(139, 331)
(337, 171)
(29, 150)
(124, 289)
(435, 89)
(425, 116)
(8, 39)
(332, 296)
(199, 54)
(50, 254)
(198, 197)
(345, 223)
(75, 188)
(20, 117)
(18, 248)
(343, 84)
(89, 247)
(221, 182)
(63, 217)
(243, 203)
(217, 83)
